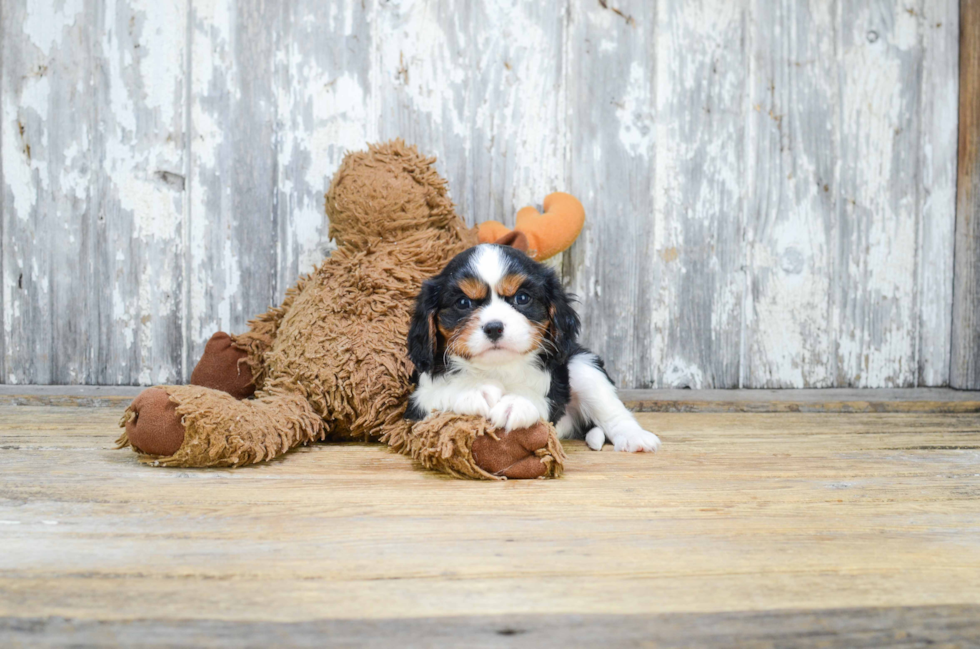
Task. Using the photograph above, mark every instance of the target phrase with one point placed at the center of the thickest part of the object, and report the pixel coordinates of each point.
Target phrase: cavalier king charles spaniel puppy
(495, 335)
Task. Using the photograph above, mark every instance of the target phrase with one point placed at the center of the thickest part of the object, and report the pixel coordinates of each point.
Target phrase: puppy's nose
(494, 330)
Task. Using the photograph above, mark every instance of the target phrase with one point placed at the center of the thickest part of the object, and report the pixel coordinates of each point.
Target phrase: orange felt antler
(547, 234)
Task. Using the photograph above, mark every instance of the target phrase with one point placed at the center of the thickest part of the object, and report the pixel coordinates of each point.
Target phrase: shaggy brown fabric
(468, 447)
(224, 367)
(330, 361)
(223, 431)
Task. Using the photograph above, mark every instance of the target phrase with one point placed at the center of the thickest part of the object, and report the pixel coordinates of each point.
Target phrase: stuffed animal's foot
(469, 447)
(152, 423)
(193, 426)
(223, 367)
(515, 454)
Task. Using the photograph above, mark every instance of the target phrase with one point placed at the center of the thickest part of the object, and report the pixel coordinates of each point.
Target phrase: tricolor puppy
(494, 334)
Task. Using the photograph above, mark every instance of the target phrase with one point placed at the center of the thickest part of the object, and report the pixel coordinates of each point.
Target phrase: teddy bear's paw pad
(223, 367)
(513, 454)
(154, 426)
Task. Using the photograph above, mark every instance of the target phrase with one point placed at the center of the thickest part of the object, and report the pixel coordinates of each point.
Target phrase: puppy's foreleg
(596, 399)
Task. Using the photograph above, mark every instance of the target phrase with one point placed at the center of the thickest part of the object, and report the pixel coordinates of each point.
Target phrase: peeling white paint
(680, 374)
(727, 153)
(635, 118)
(47, 20)
(17, 180)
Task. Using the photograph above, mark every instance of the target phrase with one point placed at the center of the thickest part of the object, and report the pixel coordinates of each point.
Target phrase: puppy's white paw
(633, 439)
(479, 401)
(514, 412)
(595, 438)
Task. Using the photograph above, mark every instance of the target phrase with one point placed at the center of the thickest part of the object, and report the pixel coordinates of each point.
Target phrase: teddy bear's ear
(422, 336)
(514, 239)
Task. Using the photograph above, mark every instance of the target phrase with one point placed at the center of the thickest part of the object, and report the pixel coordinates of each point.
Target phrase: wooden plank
(63, 395)
(142, 112)
(792, 142)
(689, 334)
(852, 176)
(828, 400)
(232, 232)
(323, 106)
(939, 28)
(873, 627)
(611, 86)
(844, 400)
(3, 199)
(877, 194)
(93, 142)
(480, 86)
(51, 179)
(50, 168)
(740, 512)
(965, 362)
(838, 401)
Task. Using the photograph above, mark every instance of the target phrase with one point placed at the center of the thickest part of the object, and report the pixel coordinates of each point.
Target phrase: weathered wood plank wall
(965, 372)
(770, 184)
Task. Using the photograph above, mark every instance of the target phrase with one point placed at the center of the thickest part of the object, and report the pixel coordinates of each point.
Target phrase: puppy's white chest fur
(522, 376)
(512, 395)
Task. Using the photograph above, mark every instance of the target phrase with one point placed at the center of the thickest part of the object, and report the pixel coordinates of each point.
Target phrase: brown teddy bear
(330, 362)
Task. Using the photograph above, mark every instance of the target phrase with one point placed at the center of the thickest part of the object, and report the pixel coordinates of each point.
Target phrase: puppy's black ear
(422, 336)
(564, 327)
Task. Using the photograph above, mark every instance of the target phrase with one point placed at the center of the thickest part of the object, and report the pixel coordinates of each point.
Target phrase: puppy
(495, 335)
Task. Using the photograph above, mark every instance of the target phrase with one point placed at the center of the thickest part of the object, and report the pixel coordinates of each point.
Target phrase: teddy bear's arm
(468, 447)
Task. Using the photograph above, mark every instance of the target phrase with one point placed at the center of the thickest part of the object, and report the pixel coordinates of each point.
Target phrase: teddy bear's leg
(194, 426)
(468, 447)
(224, 366)
(236, 364)
(261, 334)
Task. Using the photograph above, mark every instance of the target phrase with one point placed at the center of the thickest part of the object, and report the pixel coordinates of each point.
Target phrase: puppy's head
(491, 305)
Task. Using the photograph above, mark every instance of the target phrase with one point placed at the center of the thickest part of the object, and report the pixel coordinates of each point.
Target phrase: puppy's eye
(464, 303)
(522, 298)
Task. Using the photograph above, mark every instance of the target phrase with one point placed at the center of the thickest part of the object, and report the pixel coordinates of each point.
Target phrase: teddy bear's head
(389, 192)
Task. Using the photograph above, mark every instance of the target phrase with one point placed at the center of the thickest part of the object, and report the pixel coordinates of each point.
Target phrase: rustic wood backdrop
(770, 185)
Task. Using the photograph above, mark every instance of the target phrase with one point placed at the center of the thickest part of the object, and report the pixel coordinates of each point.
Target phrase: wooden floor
(847, 529)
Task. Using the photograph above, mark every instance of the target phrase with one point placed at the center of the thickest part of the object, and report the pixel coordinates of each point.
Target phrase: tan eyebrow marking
(510, 284)
(473, 288)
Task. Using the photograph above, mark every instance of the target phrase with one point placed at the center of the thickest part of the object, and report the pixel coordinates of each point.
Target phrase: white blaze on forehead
(489, 264)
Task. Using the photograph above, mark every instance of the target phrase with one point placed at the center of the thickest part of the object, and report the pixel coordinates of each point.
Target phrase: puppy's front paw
(514, 412)
(478, 402)
(634, 439)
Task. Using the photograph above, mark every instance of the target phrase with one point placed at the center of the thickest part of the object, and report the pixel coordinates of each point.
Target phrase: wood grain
(232, 231)
(92, 178)
(740, 512)
(940, 28)
(480, 85)
(769, 183)
(872, 627)
(611, 93)
(965, 369)
(877, 194)
(324, 104)
(830, 400)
